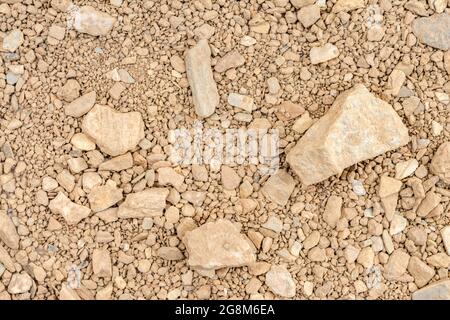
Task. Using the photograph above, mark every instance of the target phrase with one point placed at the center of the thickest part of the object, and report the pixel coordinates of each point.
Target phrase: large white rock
(358, 127)
(114, 132)
(201, 80)
(217, 245)
(146, 203)
(91, 21)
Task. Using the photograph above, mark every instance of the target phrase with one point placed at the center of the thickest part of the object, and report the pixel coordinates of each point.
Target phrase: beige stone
(93, 22)
(405, 168)
(278, 187)
(332, 212)
(217, 245)
(280, 282)
(70, 91)
(114, 133)
(20, 283)
(347, 5)
(230, 179)
(101, 263)
(445, 233)
(71, 212)
(146, 203)
(170, 253)
(104, 197)
(8, 232)
(82, 142)
(324, 53)
(79, 107)
(288, 110)
(118, 163)
(440, 164)
(430, 202)
(232, 59)
(303, 123)
(6, 260)
(169, 177)
(357, 127)
(439, 290)
(421, 272)
(396, 265)
(388, 186)
(309, 15)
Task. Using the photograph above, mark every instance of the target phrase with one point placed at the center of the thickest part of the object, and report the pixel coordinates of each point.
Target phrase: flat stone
(280, 282)
(301, 3)
(118, 163)
(278, 187)
(114, 132)
(230, 179)
(67, 293)
(332, 212)
(13, 40)
(439, 290)
(430, 202)
(358, 127)
(440, 164)
(405, 168)
(323, 54)
(104, 197)
(146, 203)
(20, 283)
(417, 7)
(170, 253)
(241, 101)
(274, 224)
(101, 263)
(70, 211)
(396, 265)
(69, 91)
(204, 32)
(398, 224)
(217, 245)
(57, 32)
(433, 31)
(194, 197)
(287, 111)
(169, 177)
(309, 15)
(347, 5)
(6, 260)
(232, 59)
(303, 123)
(421, 272)
(8, 232)
(93, 22)
(201, 80)
(388, 186)
(79, 107)
(82, 142)
(445, 233)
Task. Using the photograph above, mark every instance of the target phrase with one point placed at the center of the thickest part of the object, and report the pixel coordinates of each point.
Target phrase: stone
(82, 142)
(200, 77)
(301, 3)
(230, 179)
(259, 25)
(358, 188)
(421, 272)
(217, 245)
(13, 40)
(240, 101)
(49, 184)
(118, 163)
(103, 197)
(439, 290)
(194, 197)
(405, 168)
(77, 165)
(274, 224)
(279, 187)
(170, 253)
(389, 205)
(69, 91)
(438, 5)
(347, 5)
(114, 132)
(71, 212)
(388, 186)
(440, 164)
(445, 234)
(332, 212)
(309, 15)
(147, 203)
(439, 260)
(351, 253)
(395, 82)
(66, 180)
(303, 123)
(101, 263)
(93, 22)
(232, 59)
(323, 54)
(116, 90)
(360, 126)
(447, 61)
(396, 265)
(248, 41)
(398, 224)
(418, 235)
(8, 232)
(366, 257)
(280, 282)
(430, 202)
(57, 32)
(287, 111)
(79, 107)
(417, 7)
(20, 283)
(6, 260)
(67, 293)
(433, 31)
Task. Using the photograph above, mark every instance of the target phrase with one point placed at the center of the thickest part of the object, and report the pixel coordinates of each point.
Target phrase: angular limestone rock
(232, 59)
(101, 263)
(322, 54)
(347, 5)
(201, 80)
(114, 132)
(280, 282)
(20, 283)
(8, 232)
(93, 22)
(71, 212)
(434, 31)
(104, 197)
(146, 203)
(279, 187)
(13, 40)
(217, 245)
(440, 165)
(118, 163)
(79, 107)
(332, 212)
(439, 290)
(358, 127)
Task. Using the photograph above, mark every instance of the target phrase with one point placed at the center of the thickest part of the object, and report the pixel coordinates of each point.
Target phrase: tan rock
(217, 245)
(303, 123)
(8, 232)
(115, 133)
(71, 212)
(323, 54)
(332, 212)
(439, 290)
(146, 203)
(70, 91)
(104, 197)
(301, 3)
(389, 204)
(77, 165)
(101, 263)
(421, 272)
(398, 224)
(439, 260)
(406, 168)
(280, 282)
(170, 253)
(396, 265)
(430, 202)
(278, 187)
(366, 257)
(445, 233)
(288, 110)
(66, 180)
(194, 197)
(395, 82)
(309, 15)
(20, 283)
(347, 5)
(351, 253)
(232, 59)
(335, 141)
(240, 101)
(388, 186)
(93, 22)
(201, 80)
(13, 40)
(433, 31)
(79, 107)
(67, 293)
(6, 260)
(440, 164)
(230, 179)
(118, 163)
(169, 177)
(82, 142)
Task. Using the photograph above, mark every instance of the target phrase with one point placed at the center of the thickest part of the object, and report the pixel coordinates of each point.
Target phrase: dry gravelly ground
(341, 238)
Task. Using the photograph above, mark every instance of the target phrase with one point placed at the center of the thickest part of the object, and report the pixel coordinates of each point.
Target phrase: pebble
(278, 187)
(71, 212)
(440, 164)
(147, 203)
(241, 101)
(8, 232)
(13, 40)
(280, 282)
(93, 22)
(323, 54)
(20, 283)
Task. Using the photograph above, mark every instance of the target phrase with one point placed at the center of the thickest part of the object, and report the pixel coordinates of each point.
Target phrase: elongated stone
(358, 127)
(146, 203)
(8, 232)
(91, 21)
(434, 31)
(439, 290)
(79, 107)
(201, 80)
(71, 212)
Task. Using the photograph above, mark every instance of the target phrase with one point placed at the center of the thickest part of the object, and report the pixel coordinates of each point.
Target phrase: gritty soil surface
(92, 207)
